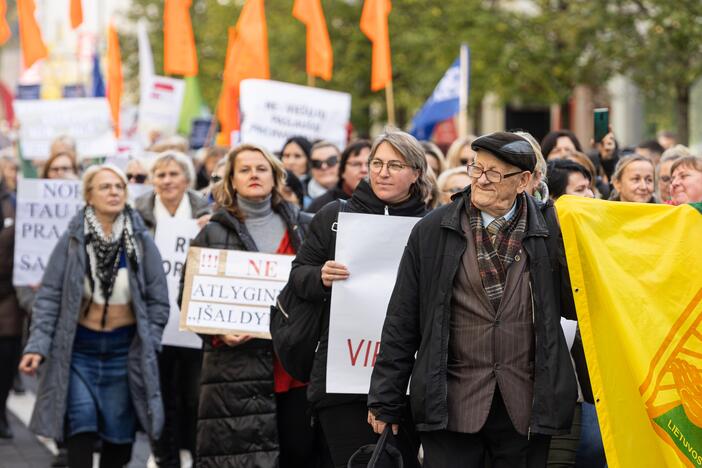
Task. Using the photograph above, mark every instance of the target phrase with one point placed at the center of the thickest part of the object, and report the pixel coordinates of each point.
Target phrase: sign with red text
(159, 109)
(232, 291)
(172, 238)
(359, 304)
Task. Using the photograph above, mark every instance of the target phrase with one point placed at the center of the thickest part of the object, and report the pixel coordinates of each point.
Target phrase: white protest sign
(231, 291)
(87, 120)
(159, 109)
(359, 304)
(172, 238)
(44, 209)
(272, 111)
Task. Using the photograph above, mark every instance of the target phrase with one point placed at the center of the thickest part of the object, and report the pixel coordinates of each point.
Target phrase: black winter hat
(508, 147)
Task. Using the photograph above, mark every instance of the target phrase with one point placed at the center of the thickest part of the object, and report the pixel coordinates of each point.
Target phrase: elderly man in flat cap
(474, 320)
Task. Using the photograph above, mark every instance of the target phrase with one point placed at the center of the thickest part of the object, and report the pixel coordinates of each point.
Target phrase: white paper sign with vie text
(232, 291)
(359, 304)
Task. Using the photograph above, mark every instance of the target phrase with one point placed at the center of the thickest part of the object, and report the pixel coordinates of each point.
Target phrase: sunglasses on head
(331, 161)
(138, 178)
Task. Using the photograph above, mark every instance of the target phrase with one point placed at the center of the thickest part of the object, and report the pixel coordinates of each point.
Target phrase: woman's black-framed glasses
(475, 172)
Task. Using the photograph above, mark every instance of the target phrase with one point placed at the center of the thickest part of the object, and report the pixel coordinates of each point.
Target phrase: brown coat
(488, 347)
(11, 315)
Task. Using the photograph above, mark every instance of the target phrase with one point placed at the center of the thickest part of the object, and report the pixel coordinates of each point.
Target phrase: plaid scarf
(494, 260)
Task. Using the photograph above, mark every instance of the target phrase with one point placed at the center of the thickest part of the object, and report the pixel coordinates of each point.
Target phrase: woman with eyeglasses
(173, 175)
(62, 165)
(215, 178)
(324, 161)
(397, 185)
(136, 172)
(96, 329)
(451, 182)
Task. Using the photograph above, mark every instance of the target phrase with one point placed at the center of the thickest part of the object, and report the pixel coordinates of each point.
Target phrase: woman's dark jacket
(418, 322)
(11, 314)
(306, 277)
(333, 194)
(237, 411)
(55, 319)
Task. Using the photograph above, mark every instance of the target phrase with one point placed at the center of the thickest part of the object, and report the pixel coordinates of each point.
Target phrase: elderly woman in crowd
(460, 152)
(397, 186)
(136, 171)
(686, 184)
(435, 157)
(353, 167)
(173, 175)
(251, 412)
(663, 175)
(61, 165)
(324, 160)
(633, 180)
(452, 181)
(96, 328)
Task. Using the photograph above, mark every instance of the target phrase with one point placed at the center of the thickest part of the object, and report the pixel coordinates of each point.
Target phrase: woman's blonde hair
(94, 170)
(181, 159)
(453, 155)
(224, 191)
(625, 162)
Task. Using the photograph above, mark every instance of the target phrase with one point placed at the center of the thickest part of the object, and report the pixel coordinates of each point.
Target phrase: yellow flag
(636, 273)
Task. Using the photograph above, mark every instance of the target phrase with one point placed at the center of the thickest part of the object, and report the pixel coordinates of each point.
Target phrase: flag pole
(390, 103)
(463, 91)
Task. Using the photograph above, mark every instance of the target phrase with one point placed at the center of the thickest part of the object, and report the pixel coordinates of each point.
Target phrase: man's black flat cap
(508, 147)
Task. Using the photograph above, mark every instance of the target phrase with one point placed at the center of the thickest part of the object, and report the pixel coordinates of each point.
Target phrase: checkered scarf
(493, 261)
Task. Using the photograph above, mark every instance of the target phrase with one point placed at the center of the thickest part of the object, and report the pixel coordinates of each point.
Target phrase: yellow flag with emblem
(636, 273)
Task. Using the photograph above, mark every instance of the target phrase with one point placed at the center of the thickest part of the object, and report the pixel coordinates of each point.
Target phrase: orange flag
(179, 54)
(114, 75)
(374, 24)
(320, 58)
(76, 13)
(247, 57)
(31, 43)
(5, 32)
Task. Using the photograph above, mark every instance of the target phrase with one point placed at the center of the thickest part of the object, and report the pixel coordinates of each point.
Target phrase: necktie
(494, 227)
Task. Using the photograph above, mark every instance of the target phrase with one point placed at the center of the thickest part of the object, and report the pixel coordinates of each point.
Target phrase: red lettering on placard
(368, 356)
(256, 267)
(375, 353)
(353, 356)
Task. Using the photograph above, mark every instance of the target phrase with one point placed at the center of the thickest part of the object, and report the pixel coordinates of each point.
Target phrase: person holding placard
(173, 175)
(397, 186)
(96, 329)
(243, 387)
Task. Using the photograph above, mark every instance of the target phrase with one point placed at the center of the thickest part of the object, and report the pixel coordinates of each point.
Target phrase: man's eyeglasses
(137, 178)
(331, 161)
(376, 165)
(493, 176)
(214, 178)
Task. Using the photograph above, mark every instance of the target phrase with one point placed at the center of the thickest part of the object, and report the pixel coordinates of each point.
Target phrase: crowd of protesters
(96, 319)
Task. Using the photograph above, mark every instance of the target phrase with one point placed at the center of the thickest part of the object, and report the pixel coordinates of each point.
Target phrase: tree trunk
(682, 108)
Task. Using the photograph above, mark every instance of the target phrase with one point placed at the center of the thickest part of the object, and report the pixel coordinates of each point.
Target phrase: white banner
(87, 120)
(159, 109)
(359, 304)
(231, 291)
(173, 240)
(272, 111)
(44, 209)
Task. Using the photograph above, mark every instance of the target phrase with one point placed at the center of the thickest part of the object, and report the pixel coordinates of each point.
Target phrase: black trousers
(497, 445)
(179, 370)
(345, 429)
(10, 350)
(295, 432)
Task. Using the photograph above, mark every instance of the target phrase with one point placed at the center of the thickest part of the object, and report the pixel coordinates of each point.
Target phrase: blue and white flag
(444, 103)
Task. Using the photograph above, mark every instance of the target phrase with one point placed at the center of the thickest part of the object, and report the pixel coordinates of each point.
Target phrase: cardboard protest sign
(159, 109)
(231, 291)
(172, 238)
(272, 112)
(359, 304)
(44, 209)
(87, 120)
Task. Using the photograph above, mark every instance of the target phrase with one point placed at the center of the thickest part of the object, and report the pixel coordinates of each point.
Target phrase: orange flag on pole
(114, 75)
(374, 24)
(5, 32)
(179, 54)
(31, 43)
(247, 57)
(76, 13)
(320, 58)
